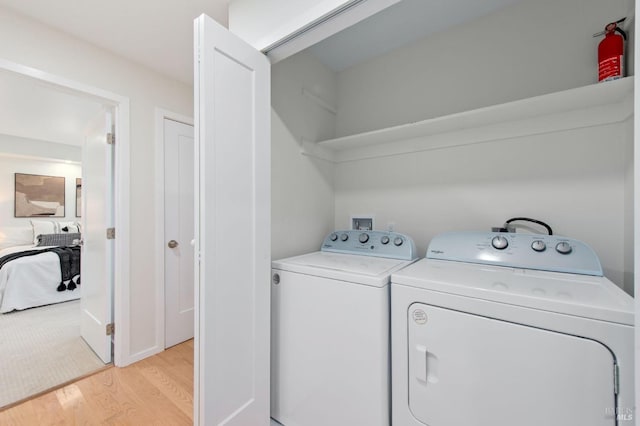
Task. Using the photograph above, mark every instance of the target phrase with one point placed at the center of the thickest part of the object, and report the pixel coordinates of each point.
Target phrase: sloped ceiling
(398, 25)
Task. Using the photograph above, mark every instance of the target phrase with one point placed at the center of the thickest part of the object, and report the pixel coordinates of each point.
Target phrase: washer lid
(373, 271)
(571, 294)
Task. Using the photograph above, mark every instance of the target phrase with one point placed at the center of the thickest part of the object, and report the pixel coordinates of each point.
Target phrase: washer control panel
(528, 251)
(371, 243)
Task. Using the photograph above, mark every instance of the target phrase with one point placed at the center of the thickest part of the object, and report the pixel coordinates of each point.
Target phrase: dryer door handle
(424, 365)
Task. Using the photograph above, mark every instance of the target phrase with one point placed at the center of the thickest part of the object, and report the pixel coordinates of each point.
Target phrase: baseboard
(139, 356)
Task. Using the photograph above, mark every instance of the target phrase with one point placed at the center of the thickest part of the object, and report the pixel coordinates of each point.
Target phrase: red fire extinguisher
(611, 52)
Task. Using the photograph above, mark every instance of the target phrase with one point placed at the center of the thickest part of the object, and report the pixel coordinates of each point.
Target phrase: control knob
(363, 238)
(563, 247)
(384, 240)
(538, 245)
(499, 242)
(333, 237)
(398, 241)
(344, 237)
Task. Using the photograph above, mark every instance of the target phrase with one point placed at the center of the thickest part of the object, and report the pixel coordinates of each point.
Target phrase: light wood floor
(154, 391)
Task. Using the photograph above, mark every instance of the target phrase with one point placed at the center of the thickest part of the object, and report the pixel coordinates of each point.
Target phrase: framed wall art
(38, 196)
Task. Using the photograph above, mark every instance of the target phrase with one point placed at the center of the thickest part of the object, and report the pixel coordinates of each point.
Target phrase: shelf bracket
(319, 101)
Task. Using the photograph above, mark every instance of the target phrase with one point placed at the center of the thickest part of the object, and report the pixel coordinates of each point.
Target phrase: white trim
(120, 104)
(198, 409)
(161, 115)
(145, 353)
(36, 158)
(63, 82)
(636, 211)
(121, 299)
(296, 29)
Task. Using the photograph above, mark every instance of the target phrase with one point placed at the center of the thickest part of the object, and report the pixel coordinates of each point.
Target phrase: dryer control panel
(528, 251)
(391, 245)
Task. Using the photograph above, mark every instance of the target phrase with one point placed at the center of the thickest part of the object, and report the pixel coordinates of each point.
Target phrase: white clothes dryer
(510, 329)
(330, 330)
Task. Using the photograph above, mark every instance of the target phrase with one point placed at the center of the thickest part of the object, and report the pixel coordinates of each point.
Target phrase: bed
(31, 281)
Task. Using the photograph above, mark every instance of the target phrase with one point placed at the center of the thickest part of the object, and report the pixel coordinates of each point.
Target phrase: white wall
(9, 165)
(526, 49)
(302, 187)
(629, 199)
(573, 180)
(27, 42)
(37, 148)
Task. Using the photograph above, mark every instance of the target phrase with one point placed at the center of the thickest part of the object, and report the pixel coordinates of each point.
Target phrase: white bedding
(31, 280)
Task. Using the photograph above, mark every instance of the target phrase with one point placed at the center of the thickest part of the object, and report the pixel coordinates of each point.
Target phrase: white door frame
(120, 104)
(161, 115)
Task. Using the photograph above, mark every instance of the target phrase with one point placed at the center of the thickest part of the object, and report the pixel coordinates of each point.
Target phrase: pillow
(16, 236)
(70, 227)
(65, 239)
(43, 227)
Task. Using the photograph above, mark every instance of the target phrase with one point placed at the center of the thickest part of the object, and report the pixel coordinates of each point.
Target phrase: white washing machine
(510, 329)
(330, 330)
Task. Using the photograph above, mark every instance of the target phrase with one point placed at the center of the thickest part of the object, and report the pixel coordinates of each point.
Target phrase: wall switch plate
(362, 222)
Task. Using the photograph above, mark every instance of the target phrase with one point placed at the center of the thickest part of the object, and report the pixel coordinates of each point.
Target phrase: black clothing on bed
(69, 266)
(69, 263)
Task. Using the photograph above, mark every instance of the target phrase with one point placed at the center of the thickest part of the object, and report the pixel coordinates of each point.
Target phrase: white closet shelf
(594, 105)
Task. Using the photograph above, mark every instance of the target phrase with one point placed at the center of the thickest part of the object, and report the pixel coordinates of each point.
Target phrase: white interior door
(178, 232)
(232, 112)
(97, 250)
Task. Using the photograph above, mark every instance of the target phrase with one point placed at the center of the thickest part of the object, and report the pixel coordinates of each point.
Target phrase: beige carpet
(41, 348)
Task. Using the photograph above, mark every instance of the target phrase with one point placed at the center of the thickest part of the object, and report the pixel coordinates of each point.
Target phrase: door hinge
(111, 138)
(111, 328)
(616, 379)
(111, 233)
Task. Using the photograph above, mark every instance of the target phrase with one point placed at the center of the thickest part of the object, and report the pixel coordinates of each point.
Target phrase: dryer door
(470, 370)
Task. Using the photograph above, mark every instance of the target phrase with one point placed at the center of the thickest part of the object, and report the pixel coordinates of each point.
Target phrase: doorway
(178, 231)
(174, 227)
(118, 312)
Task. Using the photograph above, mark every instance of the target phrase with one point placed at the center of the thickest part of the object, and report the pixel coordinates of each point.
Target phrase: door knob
(172, 244)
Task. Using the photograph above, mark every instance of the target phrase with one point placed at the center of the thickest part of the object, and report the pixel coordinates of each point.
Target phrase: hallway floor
(157, 390)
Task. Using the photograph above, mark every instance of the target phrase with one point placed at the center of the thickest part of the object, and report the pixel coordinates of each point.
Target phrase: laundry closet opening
(457, 125)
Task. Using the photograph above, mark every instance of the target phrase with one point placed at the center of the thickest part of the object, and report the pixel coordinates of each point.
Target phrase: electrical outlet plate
(362, 222)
